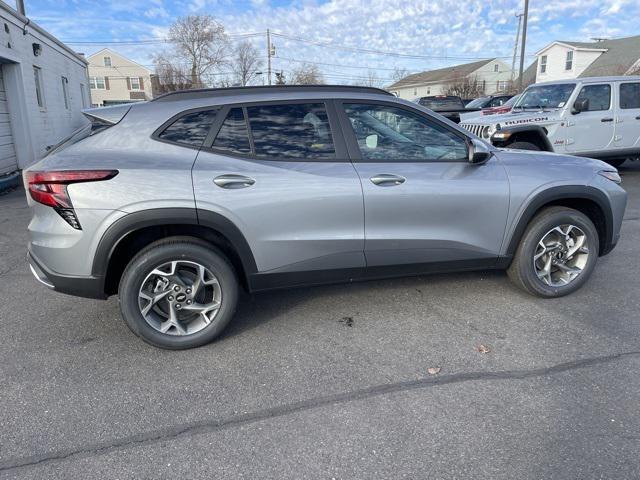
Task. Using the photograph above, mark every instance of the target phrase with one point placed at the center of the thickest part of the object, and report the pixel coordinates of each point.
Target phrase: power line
(382, 52)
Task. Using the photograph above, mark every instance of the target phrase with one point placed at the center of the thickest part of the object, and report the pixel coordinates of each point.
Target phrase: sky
(338, 35)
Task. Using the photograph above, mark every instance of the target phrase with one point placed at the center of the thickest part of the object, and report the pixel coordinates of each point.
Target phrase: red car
(504, 108)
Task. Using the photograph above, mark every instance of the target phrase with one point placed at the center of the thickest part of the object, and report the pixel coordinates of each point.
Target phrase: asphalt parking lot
(330, 382)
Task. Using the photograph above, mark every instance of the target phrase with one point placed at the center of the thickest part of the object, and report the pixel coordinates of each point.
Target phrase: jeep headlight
(487, 132)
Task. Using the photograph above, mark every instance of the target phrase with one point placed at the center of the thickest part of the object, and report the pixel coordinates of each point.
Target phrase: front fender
(505, 136)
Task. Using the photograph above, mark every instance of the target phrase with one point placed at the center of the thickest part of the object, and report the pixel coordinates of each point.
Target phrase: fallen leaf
(483, 349)
(433, 370)
(348, 321)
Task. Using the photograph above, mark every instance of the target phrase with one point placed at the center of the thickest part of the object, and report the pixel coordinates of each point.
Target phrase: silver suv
(175, 204)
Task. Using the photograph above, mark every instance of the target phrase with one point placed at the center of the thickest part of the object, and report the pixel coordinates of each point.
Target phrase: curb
(9, 182)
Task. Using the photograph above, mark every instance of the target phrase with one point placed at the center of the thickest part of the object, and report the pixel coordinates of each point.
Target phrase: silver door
(593, 129)
(424, 203)
(289, 188)
(627, 134)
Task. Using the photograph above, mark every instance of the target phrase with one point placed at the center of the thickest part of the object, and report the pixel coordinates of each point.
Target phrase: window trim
(156, 133)
(337, 136)
(352, 142)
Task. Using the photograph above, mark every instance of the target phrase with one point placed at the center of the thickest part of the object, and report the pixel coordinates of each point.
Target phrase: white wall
(556, 60)
(35, 128)
(486, 73)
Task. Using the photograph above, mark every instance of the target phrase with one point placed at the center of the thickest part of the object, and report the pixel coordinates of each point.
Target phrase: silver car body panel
(303, 216)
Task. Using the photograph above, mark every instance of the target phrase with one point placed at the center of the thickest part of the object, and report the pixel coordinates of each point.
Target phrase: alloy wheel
(180, 297)
(561, 255)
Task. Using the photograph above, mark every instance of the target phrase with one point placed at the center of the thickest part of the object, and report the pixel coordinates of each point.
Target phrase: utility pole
(268, 57)
(524, 42)
(515, 49)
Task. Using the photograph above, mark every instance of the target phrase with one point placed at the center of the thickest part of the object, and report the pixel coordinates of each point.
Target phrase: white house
(562, 60)
(43, 87)
(115, 79)
(490, 76)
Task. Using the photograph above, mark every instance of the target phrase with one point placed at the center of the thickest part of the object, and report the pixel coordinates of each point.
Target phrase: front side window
(296, 131)
(599, 97)
(37, 76)
(543, 64)
(629, 95)
(569, 63)
(388, 133)
(233, 135)
(190, 129)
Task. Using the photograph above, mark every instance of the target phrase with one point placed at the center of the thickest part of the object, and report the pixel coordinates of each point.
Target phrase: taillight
(50, 188)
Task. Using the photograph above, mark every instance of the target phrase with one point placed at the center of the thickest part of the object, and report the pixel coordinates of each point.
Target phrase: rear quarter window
(630, 95)
(190, 129)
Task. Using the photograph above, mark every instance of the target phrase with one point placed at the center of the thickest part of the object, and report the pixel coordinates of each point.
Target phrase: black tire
(615, 162)
(524, 146)
(522, 271)
(166, 250)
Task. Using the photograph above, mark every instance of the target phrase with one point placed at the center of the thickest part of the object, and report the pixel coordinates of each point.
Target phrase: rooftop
(441, 74)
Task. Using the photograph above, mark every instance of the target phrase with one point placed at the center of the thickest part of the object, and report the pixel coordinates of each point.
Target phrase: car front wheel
(557, 253)
(178, 293)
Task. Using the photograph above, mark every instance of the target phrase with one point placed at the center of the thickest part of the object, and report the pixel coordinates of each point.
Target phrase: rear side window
(233, 135)
(599, 97)
(630, 95)
(296, 131)
(190, 129)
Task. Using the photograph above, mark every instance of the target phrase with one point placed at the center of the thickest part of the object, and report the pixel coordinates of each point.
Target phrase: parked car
(448, 106)
(504, 108)
(185, 199)
(596, 117)
(488, 101)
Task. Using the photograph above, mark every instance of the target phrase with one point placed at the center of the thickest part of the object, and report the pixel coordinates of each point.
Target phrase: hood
(519, 117)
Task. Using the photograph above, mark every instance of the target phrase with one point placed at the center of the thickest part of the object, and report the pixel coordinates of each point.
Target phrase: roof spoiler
(107, 115)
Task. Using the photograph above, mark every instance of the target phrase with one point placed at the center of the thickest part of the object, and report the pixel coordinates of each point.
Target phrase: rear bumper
(88, 287)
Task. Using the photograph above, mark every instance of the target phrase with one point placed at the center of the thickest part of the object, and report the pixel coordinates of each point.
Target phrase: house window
(37, 75)
(96, 83)
(82, 96)
(569, 63)
(107, 61)
(65, 92)
(543, 64)
(496, 67)
(135, 83)
(415, 91)
(502, 85)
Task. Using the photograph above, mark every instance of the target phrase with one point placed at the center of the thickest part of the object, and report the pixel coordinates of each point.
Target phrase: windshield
(438, 103)
(478, 102)
(546, 96)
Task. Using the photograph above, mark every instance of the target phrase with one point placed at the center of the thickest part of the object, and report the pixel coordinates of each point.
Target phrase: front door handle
(387, 180)
(606, 120)
(233, 181)
(638, 117)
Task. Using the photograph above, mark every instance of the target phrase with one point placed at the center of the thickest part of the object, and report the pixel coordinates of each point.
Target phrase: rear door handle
(606, 120)
(233, 181)
(387, 180)
(638, 117)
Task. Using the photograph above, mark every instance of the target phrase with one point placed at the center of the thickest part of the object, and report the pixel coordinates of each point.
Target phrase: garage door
(7, 151)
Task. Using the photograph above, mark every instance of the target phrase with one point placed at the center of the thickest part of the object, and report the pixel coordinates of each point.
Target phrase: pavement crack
(212, 425)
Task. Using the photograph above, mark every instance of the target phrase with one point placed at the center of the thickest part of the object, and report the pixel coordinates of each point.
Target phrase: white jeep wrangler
(596, 117)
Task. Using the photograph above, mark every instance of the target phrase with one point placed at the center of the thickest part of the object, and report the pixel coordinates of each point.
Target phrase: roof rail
(220, 92)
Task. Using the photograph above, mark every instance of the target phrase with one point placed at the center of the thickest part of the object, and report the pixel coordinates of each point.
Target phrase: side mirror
(478, 152)
(580, 106)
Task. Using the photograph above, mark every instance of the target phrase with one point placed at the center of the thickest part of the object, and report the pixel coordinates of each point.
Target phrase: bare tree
(398, 74)
(280, 79)
(199, 45)
(169, 77)
(246, 62)
(307, 74)
(371, 80)
(465, 87)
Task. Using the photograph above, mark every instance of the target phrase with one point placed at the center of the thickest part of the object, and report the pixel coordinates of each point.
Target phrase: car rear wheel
(557, 253)
(178, 293)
